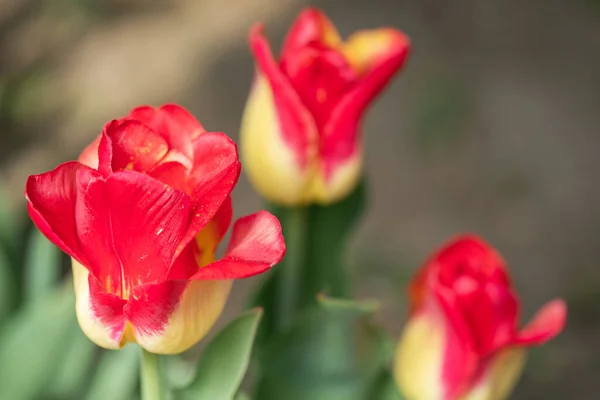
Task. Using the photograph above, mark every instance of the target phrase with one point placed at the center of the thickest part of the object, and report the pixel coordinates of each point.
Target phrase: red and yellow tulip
(300, 131)
(141, 214)
(462, 340)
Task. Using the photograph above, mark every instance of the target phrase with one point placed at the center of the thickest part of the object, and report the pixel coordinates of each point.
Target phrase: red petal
(311, 26)
(107, 308)
(135, 146)
(151, 305)
(129, 226)
(256, 245)
(321, 76)
(340, 138)
(173, 122)
(215, 173)
(105, 151)
(491, 313)
(51, 204)
(471, 255)
(548, 322)
(297, 124)
(173, 174)
(461, 360)
(201, 251)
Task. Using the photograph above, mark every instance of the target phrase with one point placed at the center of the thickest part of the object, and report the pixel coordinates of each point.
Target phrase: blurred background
(493, 128)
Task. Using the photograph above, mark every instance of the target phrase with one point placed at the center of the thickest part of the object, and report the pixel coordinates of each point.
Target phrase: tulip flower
(300, 131)
(141, 214)
(462, 339)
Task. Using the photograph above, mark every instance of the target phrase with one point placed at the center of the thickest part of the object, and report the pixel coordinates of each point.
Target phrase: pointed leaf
(223, 364)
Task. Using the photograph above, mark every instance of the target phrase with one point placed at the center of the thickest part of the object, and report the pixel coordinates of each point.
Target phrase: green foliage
(224, 362)
(75, 365)
(322, 356)
(331, 349)
(7, 287)
(31, 342)
(42, 266)
(324, 233)
(116, 377)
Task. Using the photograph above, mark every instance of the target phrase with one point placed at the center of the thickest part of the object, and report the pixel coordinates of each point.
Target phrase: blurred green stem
(152, 385)
(294, 228)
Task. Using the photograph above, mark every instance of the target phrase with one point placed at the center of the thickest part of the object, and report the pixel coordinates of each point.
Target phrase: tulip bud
(461, 341)
(141, 214)
(300, 131)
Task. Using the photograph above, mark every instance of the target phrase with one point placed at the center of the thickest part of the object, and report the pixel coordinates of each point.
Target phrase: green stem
(152, 388)
(294, 227)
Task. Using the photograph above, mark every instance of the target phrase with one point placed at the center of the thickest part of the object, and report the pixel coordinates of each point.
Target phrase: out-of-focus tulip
(300, 131)
(462, 339)
(141, 214)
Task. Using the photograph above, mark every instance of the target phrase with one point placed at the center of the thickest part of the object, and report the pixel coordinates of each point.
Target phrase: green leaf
(32, 342)
(223, 364)
(117, 375)
(42, 266)
(75, 366)
(319, 357)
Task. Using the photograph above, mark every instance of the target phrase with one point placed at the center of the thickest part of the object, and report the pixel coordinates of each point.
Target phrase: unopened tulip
(462, 340)
(300, 133)
(141, 214)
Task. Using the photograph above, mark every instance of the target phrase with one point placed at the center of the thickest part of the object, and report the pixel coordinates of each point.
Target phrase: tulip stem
(294, 226)
(152, 388)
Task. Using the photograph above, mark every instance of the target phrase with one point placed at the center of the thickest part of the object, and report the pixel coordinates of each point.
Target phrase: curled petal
(311, 26)
(211, 235)
(256, 245)
(173, 122)
(548, 322)
(135, 146)
(201, 251)
(216, 171)
(491, 312)
(100, 314)
(294, 122)
(270, 163)
(366, 50)
(379, 64)
(170, 317)
(51, 204)
(460, 351)
(214, 156)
